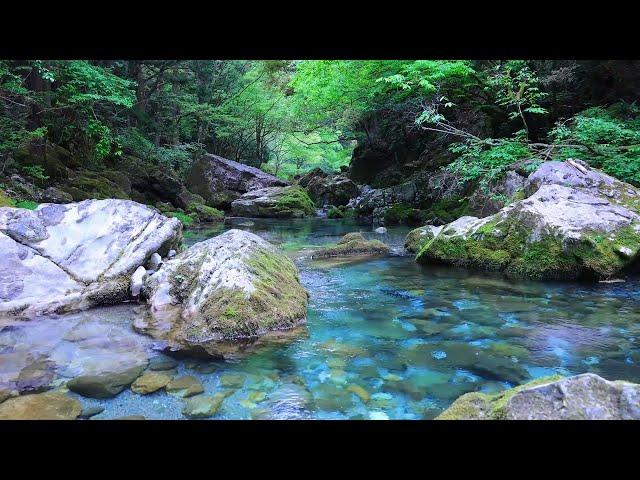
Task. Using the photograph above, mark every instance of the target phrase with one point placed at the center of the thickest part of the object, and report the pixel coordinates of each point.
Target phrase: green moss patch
(183, 217)
(5, 200)
(293, 202)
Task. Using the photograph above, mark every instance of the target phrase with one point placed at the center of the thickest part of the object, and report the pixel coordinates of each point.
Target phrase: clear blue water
(387, 338)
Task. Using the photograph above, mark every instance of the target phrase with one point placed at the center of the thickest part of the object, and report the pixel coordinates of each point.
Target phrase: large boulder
(231, 287)
(327, 189)
(582, 397)
(221, 181)
(78, 255)
(276, 202)
(577, 223)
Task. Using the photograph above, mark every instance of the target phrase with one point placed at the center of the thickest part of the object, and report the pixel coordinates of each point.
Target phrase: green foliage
(486, 160)
(516, 87)
(605, 138)
(34, 171)
(186, 220)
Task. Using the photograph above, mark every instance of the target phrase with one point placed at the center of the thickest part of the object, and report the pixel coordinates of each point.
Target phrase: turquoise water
(387, 338)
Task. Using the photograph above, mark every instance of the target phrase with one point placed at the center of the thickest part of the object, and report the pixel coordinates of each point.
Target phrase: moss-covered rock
(403, 214)
(582, 397)
(205, 213)
(559, 232)
(277, 202)
(418, 237)
(335, 212)
(228, 288)
(351, 245)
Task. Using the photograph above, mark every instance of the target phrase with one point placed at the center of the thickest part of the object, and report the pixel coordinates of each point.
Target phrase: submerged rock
(149, 383)
(106, 385)
(227, 288)
(41, 406)
(203, 406)
(78, 255)
(221, 181)
(276, 202)
(353, 244)
(582, 397)
(186, 386)
(575, 225)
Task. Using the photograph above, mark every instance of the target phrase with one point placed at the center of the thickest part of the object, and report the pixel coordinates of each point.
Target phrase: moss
(27, 204)
(183, 217)
(92, 185)
(5, 200)
(403, 214)
(416, 239)
(294, 202)
(205, 213)
(353, 244)
(476, 406)
(278, 301)
(335, 212)
(446, 210)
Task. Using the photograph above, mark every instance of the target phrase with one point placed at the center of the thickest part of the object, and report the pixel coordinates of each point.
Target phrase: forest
(319, 239)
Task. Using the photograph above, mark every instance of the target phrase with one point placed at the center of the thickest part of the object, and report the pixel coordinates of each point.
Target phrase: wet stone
(186, 386)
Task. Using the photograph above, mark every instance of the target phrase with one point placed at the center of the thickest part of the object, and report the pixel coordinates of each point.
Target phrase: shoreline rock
(274, 202)
(75, 256)
(574, 225)
(581, 397)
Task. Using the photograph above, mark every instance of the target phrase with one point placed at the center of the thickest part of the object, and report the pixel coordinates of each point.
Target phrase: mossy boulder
(402, 214)
(353, 245)
(205, 213)
(586, 229)
(231, 287)
(418, 237)
(582, 397)
(277, 202)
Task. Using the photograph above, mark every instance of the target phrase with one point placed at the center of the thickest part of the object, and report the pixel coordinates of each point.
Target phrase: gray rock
(327, 189)
(77, 255)
(105, 385)
(231, 286)
(381, 230)
(136, 280)
(220, 181)
(155, 261)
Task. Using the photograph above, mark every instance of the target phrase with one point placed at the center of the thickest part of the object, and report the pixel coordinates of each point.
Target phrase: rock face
(583, 397)
(276, 202)
(353, 245)
(232, 286)
(577, 223)
(221, 181)
(41, 406)
(326, 189)
(78, 255)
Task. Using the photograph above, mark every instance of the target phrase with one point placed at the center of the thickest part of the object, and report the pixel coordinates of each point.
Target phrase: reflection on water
(387, 338)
